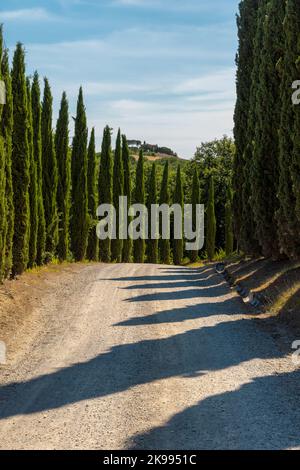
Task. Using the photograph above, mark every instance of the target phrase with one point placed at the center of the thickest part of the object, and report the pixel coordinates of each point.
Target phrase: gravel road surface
(150, 357)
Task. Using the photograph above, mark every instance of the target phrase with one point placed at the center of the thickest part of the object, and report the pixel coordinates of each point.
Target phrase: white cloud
(26, 14)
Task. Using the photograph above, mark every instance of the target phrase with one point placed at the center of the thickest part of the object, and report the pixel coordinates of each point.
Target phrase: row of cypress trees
(266, 169)
(50, 190)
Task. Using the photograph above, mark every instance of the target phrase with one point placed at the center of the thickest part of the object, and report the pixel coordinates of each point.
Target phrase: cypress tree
(229, 238)
(288, 225)
(3, 205)
(127, 244)
(33, 185)
(178, 199)
(294, 12)
(93, 242)
(64, 179)
(195, 201)
(246, 22)
(211, 222)
(152, 245)
(3, 222)
(139, 245)
(20, 163)
(6, 132)
(118, 185)
(264, 174)
(105, 188)
(37, 152)
(248, 228)
(50, 173)
(79, 213)
(164, 245)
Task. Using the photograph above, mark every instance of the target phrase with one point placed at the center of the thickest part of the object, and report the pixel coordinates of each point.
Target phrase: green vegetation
(64, 178)
(20, 164)
(139, 198)
(93, 242)
(266, 178)
(118, 190)
(50, 174)
(211, 222)
(79, 212)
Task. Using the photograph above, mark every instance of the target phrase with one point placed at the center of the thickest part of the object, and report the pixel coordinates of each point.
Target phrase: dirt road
(150, 357)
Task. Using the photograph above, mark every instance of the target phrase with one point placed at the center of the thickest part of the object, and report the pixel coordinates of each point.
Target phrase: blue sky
(162, 70)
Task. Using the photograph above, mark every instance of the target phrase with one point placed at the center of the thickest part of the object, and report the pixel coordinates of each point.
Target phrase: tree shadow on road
(228, 307)
(262, 415)
(191, 353)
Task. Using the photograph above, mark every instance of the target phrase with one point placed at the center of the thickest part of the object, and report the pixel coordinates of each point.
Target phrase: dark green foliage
(139, 198)
(127, 244)
(267, 107)
(214, 158)
(294, 14)
(93, 243)
(247, 24)
(211, 222)
(3, 220)
(229, 237)
(164, 245)
(248, 232)
(80, 223)
(152, 244)
(20, 163)
(3, 205)
(194, 201)
(105, 188)
(118, 189)
(288, 225)
(33, 186)
(6, 129)
(50, 174)
(64, 179)
(37, 152)
(178, 199)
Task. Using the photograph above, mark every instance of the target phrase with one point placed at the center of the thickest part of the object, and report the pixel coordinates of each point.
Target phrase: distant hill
(151, 152)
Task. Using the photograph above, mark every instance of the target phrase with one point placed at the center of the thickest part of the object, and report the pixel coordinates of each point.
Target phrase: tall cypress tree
(264, 174)
(20, 163)
(127, 244)
(139, 198)
(6, 127)
(64, 179)
(247, 23)
(3, 205)
(37, 152)
(288, 225)
(118, 188)
(105, 188)
(229, 238)
(211, 222)
(93, 242)
(178, 199)
(248, 229)
(152, 244)
(79, 213)
(294, 11)
(195, 202)
(33, 185)
(50, 173)
(164, 245)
